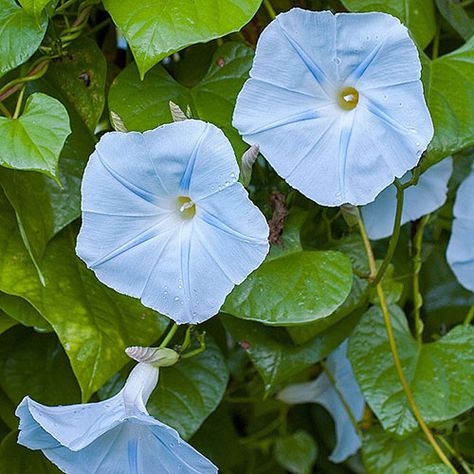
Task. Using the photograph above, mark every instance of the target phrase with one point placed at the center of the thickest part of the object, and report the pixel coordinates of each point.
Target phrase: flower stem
(395, 355)
(16, 114)
(270, 9)
(342, 399)
(392, 246)
(169, 336)
(470, 315)
(5, 111)
(455, 454)
(417, 298)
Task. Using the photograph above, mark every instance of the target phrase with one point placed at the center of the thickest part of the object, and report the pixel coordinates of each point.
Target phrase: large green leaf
(15, 459)
(143, 105)
(273, 353)
(296, 452)
(159, 28)
(35, 364)
(297, 288)
(383, 454)
(187, 392)
(78, 78)
(448, 83)
(445, 364)
(94, 323)
(20, 35)
(35, 139)
(417, 15)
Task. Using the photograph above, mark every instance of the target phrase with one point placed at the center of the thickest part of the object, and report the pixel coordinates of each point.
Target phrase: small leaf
(158, 29)
(296, 452)
(445, 364)
(35, 139)
(20, 35)
(383, 454)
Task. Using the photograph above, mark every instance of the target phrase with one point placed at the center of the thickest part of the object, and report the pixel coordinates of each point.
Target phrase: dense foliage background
(66, 76)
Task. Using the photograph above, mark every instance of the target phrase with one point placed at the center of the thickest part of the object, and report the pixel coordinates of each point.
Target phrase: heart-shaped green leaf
(34, 140)
(20, 35)
(158, 29)
(445, 364)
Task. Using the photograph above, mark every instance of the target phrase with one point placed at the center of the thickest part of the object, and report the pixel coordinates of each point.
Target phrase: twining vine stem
(417, 262)
(394, 350)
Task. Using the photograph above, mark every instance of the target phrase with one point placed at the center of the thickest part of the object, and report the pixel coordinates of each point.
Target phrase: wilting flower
(336, 104)
(322, 391)
(112, 436)
(165, 219)
(460, 253)
(428, 195)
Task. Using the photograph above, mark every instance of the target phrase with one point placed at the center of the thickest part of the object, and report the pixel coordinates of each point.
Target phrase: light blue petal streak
(321, 391)
(428, 195)
(289, 105)
(460, 252)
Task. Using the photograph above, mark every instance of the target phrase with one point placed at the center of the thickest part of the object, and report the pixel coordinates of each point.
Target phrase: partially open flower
(114, 436)
(322, 391)
(460, 253)
(165, 219)
(428, 195)
(336, 103)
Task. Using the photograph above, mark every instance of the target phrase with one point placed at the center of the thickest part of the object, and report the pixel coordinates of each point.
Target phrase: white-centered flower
(165, 219)
(429, 194)
(460, 253)
(336, 104)
(322, 391)
(113, 436)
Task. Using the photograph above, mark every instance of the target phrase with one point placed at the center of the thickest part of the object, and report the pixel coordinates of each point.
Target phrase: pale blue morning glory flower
(321, 390)
(115, 436)
(429, 194)
(460, 253)
(165, 219)
(336, 104)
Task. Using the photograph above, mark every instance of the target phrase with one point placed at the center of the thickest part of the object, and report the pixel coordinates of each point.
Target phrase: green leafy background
(64, 81)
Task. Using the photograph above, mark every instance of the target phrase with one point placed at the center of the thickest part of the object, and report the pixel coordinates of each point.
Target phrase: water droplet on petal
(336, 60)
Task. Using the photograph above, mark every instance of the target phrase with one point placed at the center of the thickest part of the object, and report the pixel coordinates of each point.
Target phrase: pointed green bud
(155, 356)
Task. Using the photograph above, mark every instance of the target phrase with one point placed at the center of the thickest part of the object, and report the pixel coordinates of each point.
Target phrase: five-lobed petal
(165, 219)
(113, 436)
(429, 194)
(336, 104)
(322, 391)
(460, 252)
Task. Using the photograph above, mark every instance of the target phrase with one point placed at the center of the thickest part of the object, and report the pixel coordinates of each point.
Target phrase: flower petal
(428, 195)
(226, 240)
(460, 252)
(193, 158)
(375, 50)
(322, 391)
(290, 105)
